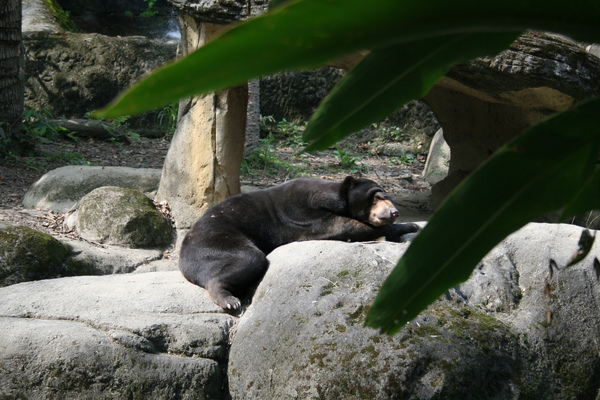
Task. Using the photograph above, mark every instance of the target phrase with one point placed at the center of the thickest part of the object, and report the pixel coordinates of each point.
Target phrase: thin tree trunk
(11, 77)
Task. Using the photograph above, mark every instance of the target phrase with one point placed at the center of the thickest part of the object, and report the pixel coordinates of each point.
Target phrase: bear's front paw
(409, 227)
(396, 231)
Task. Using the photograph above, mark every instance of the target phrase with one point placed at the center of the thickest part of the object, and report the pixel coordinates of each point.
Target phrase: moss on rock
(26, 255)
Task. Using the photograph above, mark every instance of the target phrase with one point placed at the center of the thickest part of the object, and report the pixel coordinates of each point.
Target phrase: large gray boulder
(60, 189)
(123, 217)
(120, 336)
(303, 335)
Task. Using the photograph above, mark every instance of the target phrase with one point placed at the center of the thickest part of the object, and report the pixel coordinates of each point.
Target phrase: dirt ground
(16, 175)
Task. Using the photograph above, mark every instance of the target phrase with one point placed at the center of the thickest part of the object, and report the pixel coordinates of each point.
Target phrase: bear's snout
(383, 213)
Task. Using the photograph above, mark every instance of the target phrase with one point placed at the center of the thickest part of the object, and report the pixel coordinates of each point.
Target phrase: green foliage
(150, 11)
(285, 132)
(167, 117)
(390, 133)
(310, 33)
(348, 160)
(36, 128)
(119, 129)
(413, 43)
(559, 157)
(388, 78)
(63, 17)
(264, 161)
(407, 158)
(291, 133)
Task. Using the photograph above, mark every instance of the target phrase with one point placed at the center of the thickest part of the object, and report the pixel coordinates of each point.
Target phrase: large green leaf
(308, 33)
(390, 77)
(537, 173)
(587, 198)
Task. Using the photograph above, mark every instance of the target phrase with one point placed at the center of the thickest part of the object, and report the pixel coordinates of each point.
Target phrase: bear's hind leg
(223, 297)
(239, 277)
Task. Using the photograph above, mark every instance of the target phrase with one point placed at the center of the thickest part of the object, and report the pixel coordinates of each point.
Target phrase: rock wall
(70, 74)
(295, 96)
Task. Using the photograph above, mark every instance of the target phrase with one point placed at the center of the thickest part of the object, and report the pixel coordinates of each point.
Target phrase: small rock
(122, 217)
(27, 255)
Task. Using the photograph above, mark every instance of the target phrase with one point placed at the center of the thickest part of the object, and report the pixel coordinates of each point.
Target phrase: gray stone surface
(302, 337)
(60, 189)
(122, 217)
(220, 11)
(121, 336)
(105, 259)
(438, 159)
(38, 18)
(155, 335)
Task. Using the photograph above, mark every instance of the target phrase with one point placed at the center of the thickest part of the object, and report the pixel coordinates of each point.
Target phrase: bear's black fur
(225, 251)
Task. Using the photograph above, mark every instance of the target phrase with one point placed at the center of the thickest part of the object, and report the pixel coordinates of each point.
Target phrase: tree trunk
(253, 117)
(11, 77)
(202, 167)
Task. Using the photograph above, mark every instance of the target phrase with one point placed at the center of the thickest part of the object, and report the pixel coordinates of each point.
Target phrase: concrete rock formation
(502, 96)
(155, 335)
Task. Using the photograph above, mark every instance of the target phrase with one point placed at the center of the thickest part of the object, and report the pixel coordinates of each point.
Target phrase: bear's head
(369, 203)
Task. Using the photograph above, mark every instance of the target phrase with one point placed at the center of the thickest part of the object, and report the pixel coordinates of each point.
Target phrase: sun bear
(225, 250)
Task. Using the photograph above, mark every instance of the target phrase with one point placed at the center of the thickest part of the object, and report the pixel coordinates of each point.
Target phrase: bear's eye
(378, 196)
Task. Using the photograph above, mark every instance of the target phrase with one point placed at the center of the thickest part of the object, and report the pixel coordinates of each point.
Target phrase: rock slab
(60, 189)
(149, 335)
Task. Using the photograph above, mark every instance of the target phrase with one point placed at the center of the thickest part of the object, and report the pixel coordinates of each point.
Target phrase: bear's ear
(346, 186)
(349, 182)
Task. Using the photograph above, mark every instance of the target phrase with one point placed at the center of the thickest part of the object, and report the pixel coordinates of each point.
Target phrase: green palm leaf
(310, 33)
(390, 77)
